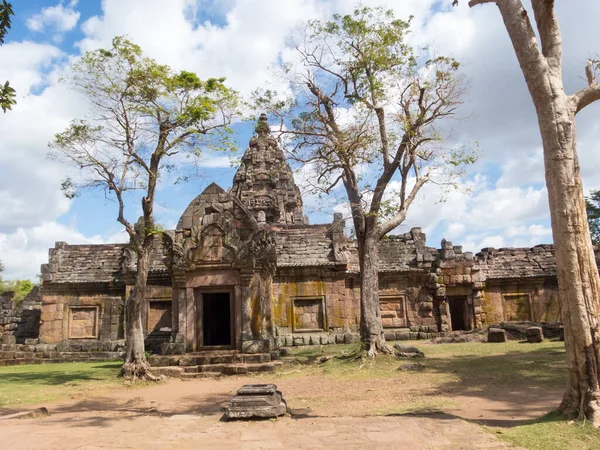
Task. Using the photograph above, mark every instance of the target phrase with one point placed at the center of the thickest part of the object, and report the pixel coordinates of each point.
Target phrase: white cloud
(507, 206)
(25, 249)
(57, 19)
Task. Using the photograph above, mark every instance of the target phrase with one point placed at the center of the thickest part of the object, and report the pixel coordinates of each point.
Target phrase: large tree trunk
(136, 366)
(578, 279)
(371, 329)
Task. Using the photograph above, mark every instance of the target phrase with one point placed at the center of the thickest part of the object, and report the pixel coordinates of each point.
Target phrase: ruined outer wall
(22, 321)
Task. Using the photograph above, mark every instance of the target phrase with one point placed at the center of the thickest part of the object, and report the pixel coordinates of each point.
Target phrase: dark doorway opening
(216, 319)
(459, 314)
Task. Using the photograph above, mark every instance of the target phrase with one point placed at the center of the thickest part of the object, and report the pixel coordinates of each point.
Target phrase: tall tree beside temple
(366, 115)
(578, 279)
(141, 115)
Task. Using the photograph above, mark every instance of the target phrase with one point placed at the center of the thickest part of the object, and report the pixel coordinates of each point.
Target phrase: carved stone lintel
(259, 251)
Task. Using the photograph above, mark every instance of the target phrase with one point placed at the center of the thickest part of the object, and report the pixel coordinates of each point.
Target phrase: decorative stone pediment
(210, 231)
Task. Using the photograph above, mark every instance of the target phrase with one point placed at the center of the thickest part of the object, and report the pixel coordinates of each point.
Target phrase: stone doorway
(459, 313)
(215, 321)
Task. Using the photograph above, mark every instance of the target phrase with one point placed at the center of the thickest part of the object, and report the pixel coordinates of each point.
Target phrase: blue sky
(240, 39)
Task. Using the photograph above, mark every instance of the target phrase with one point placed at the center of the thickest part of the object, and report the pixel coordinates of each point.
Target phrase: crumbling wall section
(20, 321)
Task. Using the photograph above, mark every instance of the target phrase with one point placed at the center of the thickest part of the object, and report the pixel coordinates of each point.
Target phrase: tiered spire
(264, 181)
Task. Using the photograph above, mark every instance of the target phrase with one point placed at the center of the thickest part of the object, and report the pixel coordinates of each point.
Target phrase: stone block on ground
(534, 334)
(496, 335)
(561, 333)
(407, 351)
(256, 401)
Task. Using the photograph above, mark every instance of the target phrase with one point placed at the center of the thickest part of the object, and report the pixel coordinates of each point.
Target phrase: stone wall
(22, 321)
(533, 299)
(82, 315)
(326, 290)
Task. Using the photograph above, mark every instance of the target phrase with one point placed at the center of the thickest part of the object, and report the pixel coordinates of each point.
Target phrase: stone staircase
(213, 363)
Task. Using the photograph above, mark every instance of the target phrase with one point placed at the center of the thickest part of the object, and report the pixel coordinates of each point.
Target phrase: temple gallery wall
(245, 270)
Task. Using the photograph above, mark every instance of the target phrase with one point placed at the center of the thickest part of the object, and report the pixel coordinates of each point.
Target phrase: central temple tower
(264, 181)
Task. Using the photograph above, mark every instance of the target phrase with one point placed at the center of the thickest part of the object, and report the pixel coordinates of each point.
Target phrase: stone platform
(17, 354)
(213, 363)
(256, 401)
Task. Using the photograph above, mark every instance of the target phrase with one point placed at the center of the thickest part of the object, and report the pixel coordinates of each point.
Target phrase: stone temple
(244, 270)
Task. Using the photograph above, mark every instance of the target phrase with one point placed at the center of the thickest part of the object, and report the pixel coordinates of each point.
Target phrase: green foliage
(5, 12)
(141, 114)
(20, 287)
(7, 93)
(592, 206)
(364, 97)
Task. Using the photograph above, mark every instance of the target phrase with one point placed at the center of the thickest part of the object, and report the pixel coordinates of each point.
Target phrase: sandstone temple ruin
(244, 270)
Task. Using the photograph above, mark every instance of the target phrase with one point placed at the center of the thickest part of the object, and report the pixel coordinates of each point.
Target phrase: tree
(592, 206)
(578, 279)
(368, 108)
(7, 94)
(141, 115)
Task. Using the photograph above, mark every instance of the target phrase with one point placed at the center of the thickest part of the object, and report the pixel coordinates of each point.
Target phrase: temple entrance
(459, 313)
(215, 319)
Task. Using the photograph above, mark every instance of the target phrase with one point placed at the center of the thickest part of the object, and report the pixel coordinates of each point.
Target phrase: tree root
(374, 348)
(138, 370)
(588, 409)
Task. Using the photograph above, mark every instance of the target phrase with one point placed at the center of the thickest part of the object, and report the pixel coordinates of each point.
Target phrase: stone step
(212, 370)
(193, 360)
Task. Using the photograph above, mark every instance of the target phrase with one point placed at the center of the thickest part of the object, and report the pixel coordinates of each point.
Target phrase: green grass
(31, 384)
(449, 371)
(453, 370)
(511, 363)
(552, 432)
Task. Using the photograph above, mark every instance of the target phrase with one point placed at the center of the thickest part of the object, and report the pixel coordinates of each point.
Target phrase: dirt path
(185, 414)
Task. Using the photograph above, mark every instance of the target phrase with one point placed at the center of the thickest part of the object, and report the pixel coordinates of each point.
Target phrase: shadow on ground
(516, 382)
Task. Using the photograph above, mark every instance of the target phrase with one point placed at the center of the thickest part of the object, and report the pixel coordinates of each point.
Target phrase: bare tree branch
(585, 97)
(589, 72)
(480, 2)
(547, 25)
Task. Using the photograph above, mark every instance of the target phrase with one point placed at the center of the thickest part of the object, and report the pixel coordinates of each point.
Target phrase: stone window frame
(157, 299)
(308, 298)
(517, 294)
(404, 297)
(96, 335)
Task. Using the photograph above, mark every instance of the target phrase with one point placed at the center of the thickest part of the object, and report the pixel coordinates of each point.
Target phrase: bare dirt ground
(326, 413)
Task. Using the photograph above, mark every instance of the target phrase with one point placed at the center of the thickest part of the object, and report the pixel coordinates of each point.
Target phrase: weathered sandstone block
(534, 334)
(496, 335)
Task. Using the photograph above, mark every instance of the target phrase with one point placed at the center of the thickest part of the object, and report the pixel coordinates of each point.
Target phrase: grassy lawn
(30, 384)
(453, 371)
(448, 378)
(552, 432)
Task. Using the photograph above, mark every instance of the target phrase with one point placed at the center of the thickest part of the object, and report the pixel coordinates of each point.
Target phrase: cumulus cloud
(240, 39)
(57, 19)
(27, 248)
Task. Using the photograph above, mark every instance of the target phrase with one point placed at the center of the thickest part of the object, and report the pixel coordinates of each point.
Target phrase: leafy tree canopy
(592, 205)
(7, 93)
